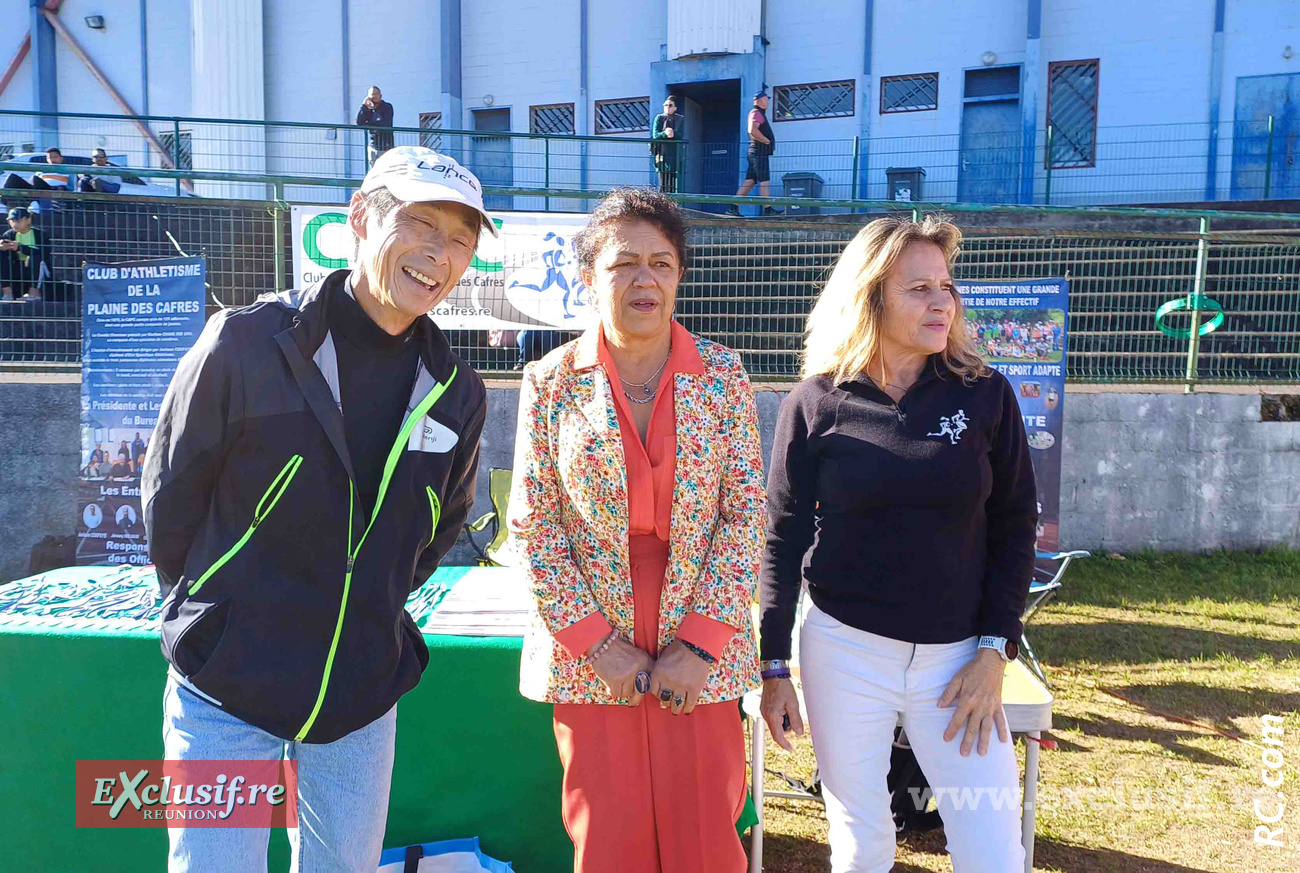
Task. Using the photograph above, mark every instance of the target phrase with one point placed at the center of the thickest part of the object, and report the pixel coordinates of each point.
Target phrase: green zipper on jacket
(394, 455)
(435, 509)
(274, 491)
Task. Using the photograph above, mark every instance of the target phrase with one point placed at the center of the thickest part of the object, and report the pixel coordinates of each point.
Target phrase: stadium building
(1020, 101)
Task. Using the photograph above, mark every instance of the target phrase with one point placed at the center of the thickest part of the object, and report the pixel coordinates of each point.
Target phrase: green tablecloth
(473, 757)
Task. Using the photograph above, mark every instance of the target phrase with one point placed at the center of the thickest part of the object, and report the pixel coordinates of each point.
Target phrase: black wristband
(696, 650)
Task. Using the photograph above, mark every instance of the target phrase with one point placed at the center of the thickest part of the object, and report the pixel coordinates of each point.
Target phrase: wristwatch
(775, 669)
(1008, 649)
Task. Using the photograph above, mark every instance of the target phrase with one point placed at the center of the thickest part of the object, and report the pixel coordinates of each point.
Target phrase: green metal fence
(1226, 285)
(1131, 164)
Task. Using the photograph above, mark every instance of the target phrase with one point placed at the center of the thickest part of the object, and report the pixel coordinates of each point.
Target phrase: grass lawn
(1211, 638)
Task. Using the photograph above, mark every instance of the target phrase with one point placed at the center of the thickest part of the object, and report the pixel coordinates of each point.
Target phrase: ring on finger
(679, 701)
(642, 682)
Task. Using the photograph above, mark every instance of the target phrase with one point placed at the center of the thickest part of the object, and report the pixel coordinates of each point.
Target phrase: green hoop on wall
(1191, 301)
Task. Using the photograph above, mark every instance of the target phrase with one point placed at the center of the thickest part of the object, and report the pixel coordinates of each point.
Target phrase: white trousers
(855, 686)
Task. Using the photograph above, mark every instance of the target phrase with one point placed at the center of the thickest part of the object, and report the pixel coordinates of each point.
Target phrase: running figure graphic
(952, 426)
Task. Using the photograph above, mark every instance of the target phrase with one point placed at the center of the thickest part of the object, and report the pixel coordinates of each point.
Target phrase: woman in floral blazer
(638, 510)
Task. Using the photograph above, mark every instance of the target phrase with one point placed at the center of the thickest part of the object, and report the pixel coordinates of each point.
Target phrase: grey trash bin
(808, 185)
(905, 183)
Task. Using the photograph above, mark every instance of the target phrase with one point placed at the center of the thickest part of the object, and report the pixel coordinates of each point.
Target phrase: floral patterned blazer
(569, 518)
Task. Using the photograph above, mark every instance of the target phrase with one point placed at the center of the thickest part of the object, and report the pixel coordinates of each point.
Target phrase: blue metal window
(554, 118)
(816, 100)
(1072, 113)
(909, 93)
(627, 115)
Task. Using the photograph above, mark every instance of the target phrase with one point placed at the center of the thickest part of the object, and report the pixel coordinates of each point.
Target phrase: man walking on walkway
(762, 143)
(314, 460)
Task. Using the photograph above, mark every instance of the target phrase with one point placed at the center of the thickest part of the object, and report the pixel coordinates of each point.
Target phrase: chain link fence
(752, 283)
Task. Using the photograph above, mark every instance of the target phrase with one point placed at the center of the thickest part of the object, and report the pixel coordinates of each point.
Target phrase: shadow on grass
(1156, 609)
(1123, 642)
(789, 854)
(786, 854)
(1218, 705)
(1049, 854)
(1109, 729)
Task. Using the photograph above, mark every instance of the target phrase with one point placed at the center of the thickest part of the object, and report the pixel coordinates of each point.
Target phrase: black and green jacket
(284, 593)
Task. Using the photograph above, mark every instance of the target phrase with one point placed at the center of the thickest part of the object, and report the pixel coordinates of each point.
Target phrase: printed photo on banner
(525, 279)
(1020, 328)
(138, 319)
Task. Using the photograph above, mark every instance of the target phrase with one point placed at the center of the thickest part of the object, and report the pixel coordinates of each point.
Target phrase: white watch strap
(998, 643)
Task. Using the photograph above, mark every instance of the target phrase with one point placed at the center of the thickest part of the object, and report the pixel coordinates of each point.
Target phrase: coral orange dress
(646, 791)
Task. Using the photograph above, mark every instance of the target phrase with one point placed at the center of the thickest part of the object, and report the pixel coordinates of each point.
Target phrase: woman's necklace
(645, 386)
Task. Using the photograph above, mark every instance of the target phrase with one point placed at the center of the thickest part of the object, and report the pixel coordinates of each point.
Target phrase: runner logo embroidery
(951, 426)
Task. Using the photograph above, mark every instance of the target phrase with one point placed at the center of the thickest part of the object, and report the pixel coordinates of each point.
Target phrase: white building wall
(624, 38)
(526, 53)
(230, 84)
(1255, 33)
(170, 57)
(699, 27)
(304, 82)
(18, 96)
(955, 40)
(1154, 70)
(115, 50)
(816, 41)
(394, 44)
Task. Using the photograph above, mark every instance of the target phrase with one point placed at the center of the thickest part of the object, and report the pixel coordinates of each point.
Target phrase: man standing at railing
(375, 113)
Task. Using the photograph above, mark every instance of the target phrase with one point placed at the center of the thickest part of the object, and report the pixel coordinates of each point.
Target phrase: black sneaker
(772, 210)
(733, 209)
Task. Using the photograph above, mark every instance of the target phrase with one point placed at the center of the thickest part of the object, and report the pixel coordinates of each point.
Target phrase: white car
(130, 184)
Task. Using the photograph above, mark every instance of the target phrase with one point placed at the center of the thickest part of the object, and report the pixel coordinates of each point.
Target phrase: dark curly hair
(629, 204)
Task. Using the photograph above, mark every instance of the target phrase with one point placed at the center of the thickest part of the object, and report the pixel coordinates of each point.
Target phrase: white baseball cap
(416, 174)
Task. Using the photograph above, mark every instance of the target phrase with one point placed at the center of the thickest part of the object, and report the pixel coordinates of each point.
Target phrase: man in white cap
(315, 458)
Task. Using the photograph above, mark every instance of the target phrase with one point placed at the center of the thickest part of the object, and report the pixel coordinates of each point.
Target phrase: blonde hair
(844, 327)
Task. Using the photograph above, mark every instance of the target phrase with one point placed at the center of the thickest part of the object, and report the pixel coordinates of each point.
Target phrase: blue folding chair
(1043, 587)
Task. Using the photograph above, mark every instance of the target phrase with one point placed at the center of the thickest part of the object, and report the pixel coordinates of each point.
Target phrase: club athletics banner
(138, 319)
(527, 278)
(1020, 328)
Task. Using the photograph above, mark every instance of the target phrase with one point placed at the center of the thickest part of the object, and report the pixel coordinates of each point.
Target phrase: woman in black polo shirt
(901, 492)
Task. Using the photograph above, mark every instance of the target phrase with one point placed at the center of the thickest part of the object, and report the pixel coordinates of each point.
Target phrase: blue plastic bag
(447, 856)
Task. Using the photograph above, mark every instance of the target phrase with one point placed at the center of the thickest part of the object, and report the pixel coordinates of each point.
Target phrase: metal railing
(501, 159)
(1169, 163)
(1156, 295)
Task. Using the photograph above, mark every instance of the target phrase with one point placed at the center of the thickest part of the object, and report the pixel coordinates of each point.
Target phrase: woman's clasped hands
(674, 681)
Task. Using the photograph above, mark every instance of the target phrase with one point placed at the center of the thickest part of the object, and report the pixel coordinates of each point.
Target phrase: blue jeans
(342, 791)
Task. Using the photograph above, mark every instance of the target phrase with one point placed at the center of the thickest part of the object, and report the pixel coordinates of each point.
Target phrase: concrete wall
(42, 438)
(1141, 471)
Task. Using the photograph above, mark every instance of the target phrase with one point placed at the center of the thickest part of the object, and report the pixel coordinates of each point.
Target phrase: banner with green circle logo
(525, 278)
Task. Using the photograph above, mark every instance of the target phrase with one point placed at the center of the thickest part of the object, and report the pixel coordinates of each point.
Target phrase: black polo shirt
(913, 520)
